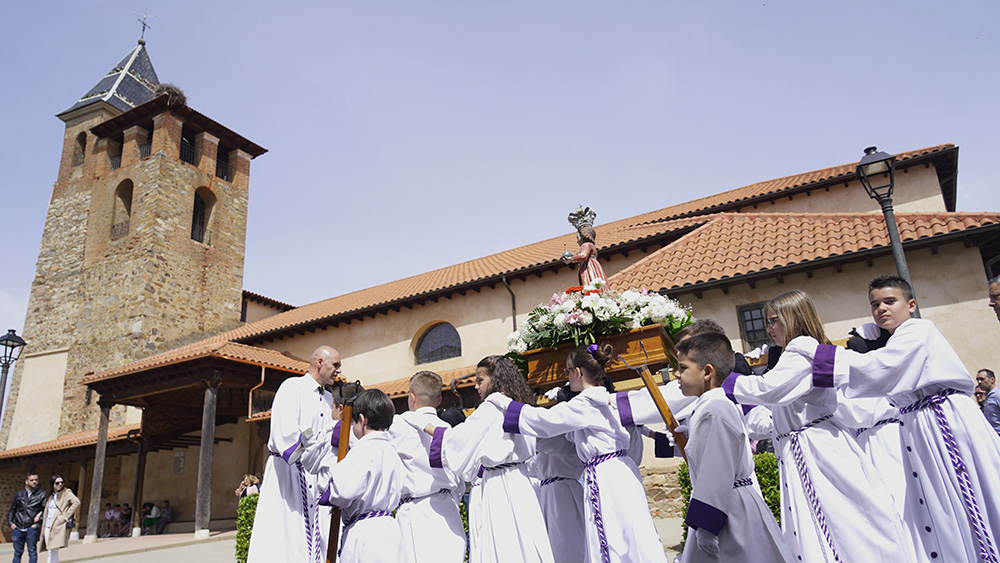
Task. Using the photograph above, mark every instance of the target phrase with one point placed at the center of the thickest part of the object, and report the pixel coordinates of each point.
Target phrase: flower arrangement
(582, 314)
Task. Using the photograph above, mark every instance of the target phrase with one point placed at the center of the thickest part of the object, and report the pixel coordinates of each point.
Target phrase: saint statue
(590, 269)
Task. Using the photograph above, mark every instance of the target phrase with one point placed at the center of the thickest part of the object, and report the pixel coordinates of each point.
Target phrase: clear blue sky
(407, 136)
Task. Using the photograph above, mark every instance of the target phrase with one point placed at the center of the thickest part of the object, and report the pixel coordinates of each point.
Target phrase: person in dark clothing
(23, 518)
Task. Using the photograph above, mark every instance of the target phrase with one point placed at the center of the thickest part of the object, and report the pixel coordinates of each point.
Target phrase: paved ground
(221, 547)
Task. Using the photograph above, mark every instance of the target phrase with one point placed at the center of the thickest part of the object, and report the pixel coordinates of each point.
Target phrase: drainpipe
(513, 302)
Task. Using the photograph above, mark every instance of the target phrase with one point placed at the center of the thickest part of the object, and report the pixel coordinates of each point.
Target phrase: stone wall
(663, 493)
(110, 302)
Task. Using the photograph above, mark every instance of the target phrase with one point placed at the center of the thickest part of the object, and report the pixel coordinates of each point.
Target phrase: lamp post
(877, 172)
(10, 346)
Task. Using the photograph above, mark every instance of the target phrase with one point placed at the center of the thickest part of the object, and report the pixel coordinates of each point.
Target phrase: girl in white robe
(620, 527)
(366, 485)
(505, 520)
(951, 455)
(560, 494)
(834, 505)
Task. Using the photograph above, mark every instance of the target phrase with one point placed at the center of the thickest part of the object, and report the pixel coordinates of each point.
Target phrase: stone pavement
(221, 547)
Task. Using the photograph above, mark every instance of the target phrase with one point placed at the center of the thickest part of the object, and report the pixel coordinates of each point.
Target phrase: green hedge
(766, 468)
(244, 525)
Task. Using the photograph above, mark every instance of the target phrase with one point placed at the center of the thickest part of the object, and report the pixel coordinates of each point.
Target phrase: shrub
(244, 525)
(766, 468)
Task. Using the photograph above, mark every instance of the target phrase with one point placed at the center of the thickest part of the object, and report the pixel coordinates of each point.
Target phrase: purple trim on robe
(335, 439)
(324, 499)
(512, 418)
(703, 515)
(661, 445)
(624, 409)
(729, 386)
(823, 365)
(437, 442)
(288, 453)
(479, 473)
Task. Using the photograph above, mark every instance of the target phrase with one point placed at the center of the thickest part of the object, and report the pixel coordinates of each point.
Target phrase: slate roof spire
(130, 83)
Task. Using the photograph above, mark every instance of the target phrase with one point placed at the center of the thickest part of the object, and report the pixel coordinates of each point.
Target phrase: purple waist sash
(595, 498)
(350, 522)
(986, 550)
(800, 465)
(410, 498)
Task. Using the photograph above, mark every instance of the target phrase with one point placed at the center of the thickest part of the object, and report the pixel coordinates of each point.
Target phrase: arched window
(204, 201)
(440, 342)
(79, 149)
(123, 210)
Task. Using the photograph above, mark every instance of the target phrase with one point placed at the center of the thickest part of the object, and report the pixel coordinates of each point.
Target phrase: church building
(150, 370)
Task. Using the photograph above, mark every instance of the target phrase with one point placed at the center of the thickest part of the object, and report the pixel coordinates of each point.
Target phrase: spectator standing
(980, 396)
(60, 507)
(23, 518)
(987, 381)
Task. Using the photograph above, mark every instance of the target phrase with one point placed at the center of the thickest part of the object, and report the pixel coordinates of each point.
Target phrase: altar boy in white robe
(428, 515)
(366, 485)
(951, 455)
(728, 519)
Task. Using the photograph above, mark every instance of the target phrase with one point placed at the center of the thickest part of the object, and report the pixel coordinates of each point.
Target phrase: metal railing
(145, 149)
(119, 230)
(189, 154)
(78, 159)
(116, 161)
(224, 170)
(201, 234)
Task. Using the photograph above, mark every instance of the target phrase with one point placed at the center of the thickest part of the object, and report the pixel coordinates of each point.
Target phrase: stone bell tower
(142, 250)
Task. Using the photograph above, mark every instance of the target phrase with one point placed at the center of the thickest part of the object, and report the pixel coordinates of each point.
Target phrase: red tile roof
(737, 244)
(67, 441)
(216, 347)
(653, 224)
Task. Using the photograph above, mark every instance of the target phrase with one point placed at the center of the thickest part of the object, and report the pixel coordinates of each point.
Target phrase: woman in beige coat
(60, 507)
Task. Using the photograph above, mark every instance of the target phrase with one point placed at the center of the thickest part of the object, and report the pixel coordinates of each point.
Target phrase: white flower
(560, 320)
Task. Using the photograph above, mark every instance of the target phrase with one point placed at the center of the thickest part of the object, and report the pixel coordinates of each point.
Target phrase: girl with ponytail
(620, 527)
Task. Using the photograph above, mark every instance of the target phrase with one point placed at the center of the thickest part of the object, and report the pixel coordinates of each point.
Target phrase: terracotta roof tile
(730, 244)
(217, 347)
(401, 387)
(67, 441)
(654, 223)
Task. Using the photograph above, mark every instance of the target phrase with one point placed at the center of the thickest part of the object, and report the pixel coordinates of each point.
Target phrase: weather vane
(145, 25)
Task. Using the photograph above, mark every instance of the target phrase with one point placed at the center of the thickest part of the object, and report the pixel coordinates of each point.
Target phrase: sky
(409, 136)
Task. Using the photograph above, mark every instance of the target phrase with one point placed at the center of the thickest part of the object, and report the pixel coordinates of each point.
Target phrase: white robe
(560, 494)
(594, 428)
(430, 523)
(368, 479)
(505, 521)
(718, 457)
(915, 363)
(288, 526)
(876, 429)
(857, 507)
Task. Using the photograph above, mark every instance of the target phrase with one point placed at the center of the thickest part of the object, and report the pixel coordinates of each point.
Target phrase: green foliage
(520, 361)
(464, 512)
(244, 525)
(766, 468)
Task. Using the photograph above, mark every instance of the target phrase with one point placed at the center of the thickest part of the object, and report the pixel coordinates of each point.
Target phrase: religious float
(639, 324)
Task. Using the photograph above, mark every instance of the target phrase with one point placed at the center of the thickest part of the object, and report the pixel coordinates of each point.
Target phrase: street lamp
(877, 172)
(10, 346)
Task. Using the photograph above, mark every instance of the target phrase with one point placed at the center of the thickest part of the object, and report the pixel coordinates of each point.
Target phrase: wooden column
(140, 474)
(75, 534)
(93, 514)
(203, 506)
